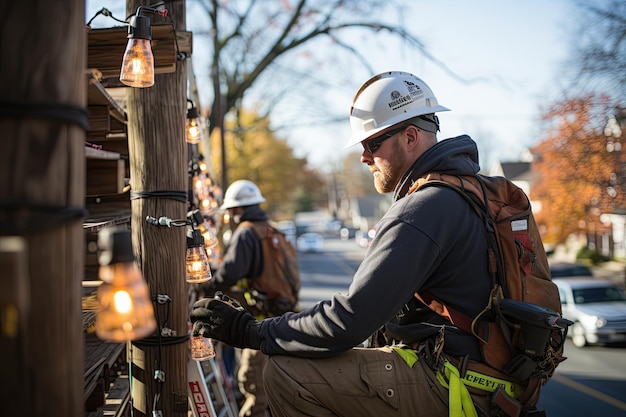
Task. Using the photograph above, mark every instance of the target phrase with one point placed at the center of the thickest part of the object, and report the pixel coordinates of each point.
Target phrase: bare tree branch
(600, 58)
(252, 39)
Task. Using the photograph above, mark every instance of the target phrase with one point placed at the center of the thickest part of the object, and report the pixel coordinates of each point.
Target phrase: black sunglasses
(372, 145)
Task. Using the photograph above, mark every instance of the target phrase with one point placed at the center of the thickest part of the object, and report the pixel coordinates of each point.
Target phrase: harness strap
(479, 380)
(460, 402)
(407, 355)
(459, 399)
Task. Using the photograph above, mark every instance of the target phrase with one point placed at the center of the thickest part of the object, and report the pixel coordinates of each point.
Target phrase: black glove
(226, 320)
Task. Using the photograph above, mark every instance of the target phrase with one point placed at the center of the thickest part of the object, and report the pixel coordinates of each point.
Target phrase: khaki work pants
(250, 376)
(358, 383)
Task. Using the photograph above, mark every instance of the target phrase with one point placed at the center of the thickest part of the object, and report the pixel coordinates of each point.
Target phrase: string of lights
(137, 70)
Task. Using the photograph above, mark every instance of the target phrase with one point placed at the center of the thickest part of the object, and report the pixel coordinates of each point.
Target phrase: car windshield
(598, 295)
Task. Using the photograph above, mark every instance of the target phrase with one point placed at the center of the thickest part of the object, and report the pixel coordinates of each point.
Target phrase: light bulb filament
(123, 302)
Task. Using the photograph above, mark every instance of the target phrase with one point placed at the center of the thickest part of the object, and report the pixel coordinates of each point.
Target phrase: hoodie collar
(454, 156)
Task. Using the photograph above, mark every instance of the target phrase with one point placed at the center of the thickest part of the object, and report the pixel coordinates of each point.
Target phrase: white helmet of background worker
(242, 193)
(390, 98)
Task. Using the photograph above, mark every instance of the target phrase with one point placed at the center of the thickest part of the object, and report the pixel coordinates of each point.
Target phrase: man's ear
(412, 137)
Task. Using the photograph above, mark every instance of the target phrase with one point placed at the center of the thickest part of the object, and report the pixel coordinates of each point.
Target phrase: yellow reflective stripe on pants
(460, 401)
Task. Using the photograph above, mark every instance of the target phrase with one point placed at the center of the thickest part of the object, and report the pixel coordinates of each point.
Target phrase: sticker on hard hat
(414, 90)
(398, 100)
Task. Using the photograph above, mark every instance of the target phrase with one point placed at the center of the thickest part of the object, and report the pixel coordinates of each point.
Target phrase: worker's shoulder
(435, 196)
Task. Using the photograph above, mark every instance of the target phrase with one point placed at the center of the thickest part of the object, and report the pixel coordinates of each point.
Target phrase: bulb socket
(139, 28)
(192, 113)
(115, 245)
(195, 240)
(195, 217)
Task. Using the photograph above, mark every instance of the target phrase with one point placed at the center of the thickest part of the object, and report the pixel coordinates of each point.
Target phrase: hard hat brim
(232, 204)
(361, 135)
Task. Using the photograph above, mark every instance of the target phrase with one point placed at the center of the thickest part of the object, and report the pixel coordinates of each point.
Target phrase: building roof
(516, 171)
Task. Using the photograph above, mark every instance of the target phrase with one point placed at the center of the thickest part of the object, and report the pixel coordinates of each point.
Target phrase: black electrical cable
(174, 195)
(105, 12)
(64, 112)
(30, 218)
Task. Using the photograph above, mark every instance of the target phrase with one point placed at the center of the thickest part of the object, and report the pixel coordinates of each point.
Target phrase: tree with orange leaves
(580, 168)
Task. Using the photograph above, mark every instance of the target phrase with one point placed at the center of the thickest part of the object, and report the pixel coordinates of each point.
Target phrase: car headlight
(593, 322)
(600, 322)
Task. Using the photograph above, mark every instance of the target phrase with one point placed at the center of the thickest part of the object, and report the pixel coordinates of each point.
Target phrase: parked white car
(310, 242)
(597, 308)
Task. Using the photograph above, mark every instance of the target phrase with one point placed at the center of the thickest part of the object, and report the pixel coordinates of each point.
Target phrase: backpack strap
(473, 190)
(260, 228)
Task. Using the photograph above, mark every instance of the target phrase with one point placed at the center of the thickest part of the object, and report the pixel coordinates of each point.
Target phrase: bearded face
(388, 171)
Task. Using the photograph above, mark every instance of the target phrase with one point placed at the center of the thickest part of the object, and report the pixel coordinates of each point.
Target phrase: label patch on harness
(518, 225)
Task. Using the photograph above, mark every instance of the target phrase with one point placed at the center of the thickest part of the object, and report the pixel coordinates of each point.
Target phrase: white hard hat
(242, 193)
(387, 99)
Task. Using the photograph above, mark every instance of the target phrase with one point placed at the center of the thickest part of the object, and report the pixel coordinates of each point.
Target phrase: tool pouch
(506, 404)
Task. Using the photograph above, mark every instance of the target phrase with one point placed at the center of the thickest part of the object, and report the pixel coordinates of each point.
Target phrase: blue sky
(519, 47)
(514, 50)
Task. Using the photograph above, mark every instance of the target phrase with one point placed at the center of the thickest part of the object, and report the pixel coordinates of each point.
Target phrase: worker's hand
(227, 321)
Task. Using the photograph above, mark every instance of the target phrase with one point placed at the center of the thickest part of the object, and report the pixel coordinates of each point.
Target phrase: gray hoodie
(430, 239)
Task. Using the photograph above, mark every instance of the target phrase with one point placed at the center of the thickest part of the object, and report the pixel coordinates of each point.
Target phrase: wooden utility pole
(42, 195)
(158, 163)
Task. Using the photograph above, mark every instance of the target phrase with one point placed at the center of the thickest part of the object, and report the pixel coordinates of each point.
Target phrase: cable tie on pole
(163, 298)
(159, 375)
(167, 332)
(152, 220)
(166, 221)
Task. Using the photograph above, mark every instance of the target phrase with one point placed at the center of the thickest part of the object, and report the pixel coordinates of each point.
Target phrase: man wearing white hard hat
(430, 239)
(243, 260)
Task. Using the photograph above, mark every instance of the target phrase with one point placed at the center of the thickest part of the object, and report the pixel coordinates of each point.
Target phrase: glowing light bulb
(193, 128)
(197, 260)
(138, 61)
(201, 348)
(126, 311)
(123, 304)
(210, 239)
(194, 131)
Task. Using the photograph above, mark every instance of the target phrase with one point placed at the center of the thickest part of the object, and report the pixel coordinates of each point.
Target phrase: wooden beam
(97, 95)
(105, 176)
(99, 119)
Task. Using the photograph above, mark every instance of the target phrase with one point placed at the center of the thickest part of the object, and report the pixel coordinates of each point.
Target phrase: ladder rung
(209, 377)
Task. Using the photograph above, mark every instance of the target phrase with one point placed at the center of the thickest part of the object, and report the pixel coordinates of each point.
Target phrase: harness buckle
(439, 342)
